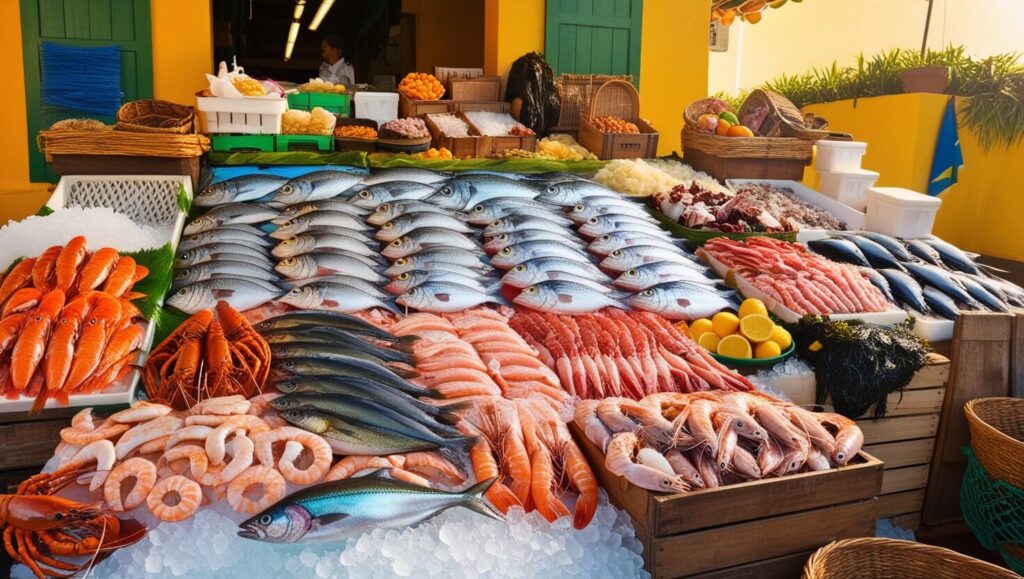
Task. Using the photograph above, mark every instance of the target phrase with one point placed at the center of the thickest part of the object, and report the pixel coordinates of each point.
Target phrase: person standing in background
(334, 68)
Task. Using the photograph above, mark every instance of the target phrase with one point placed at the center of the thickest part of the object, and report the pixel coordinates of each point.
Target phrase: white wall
(814, 33)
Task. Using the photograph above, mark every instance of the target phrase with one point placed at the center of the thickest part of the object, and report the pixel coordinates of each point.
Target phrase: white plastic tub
(848, 187)
(901, 212)
(247, 115)
(839, 155)
(379, 106)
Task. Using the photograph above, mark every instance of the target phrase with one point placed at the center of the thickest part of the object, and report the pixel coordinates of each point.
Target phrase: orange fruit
(753, 17)
(739, 131)
(723, 127)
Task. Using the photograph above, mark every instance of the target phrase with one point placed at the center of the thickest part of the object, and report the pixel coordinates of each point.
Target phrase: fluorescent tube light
(321, 12)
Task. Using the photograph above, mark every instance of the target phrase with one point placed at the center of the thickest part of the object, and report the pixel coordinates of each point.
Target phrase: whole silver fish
(242, 294)
(609, 242)
(540, 269)
(372, 196)
(462, 193)
(565, 297)
(314, 264)
(391, 209)
(405, 174)
(681, 300)
(444, 297)
(222, 268)
(360, 236)
(243, 188)
(450, 260)
(611, 222)
(358, 283)
(942, 280)
(409, 222)
(629, 257)
(513, 255)
(494, 209)
(218, 251)
(569, 193)
(500, 241)
(351, 507)
(403, 282)
(228, 214)
(223, 236)
(595, 206)
(428, 238)
(315, 186)
(319, 219)
(980, 293)
(658, 272)
(333, 204)
(334, 297)
(515, 222)
(321, 242)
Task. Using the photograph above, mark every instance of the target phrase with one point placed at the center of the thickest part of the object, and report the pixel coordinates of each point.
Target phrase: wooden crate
(723, 168)
(481, 88)
(765, 523)
(527, 143)
(619, 145)
(472, 146)
(28, 442)
(408, 107)
(486, 106)
(128, 165)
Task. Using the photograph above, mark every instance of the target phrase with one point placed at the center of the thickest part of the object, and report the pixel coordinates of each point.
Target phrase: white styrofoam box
(247, 115)
(848, 187)
(901, 212)
(379, 106)
(839, 155)
(853, 218)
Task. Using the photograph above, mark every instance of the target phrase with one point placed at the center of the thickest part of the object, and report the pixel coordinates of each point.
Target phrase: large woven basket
(123, 143)
(576, 92)
(150, 116)
(997, 436)
(871, 558)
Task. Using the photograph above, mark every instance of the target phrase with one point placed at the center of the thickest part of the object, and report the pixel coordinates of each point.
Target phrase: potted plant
(933, 79)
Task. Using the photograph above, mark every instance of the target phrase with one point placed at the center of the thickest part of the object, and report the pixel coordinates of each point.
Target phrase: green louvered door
(90, 23)
(594, 36)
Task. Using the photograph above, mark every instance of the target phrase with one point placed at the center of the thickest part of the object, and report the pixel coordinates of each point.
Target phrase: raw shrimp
(620, 460)
(144, 432)
(198, 461)
(353, 466)
(241, 450)
(102, 453)
(270, 481)
(189, 494)
(140, 469)
(141, 411)
(82, 435)
(222, 406)
(322, 457)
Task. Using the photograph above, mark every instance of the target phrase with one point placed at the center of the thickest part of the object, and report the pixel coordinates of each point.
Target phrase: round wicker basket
(616, 98)
(997, 436)
(871, 558)
(149, 116)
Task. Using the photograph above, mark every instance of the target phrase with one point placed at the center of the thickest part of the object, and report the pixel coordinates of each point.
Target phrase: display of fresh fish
(634, 256)
(222, 268)
(440, 296)
(658, 272)
(517, 221)
(609, 242)
(398, 419)
(977, 291)
(219, 251)
(367, 389)
(374, 195)
(428, 238)
(442, 258)
(298, 320)
(351, 507)
(611, 222)
(333, 204)
(358, 283)
(942, 280)
(403, 282)
(500, 241)
(241, 294)
(539, 269)
(839, 249)
(237, 189)
(405, 174)
(391, 209)
(314, 264)
(923, 251)
(875, 253)
(891, 244)
(409, 222)
(321, 242)
(315, 186)
(906, 289)
(320, 350)
(879, 281)
(940, 303)
(494, 209)
(224, 235)
(952, 256)
(569, 193)
(337, 338)
(565, 297)
(333, 296)
(230, 213)
(360, 236)
(319, 219)
(597, 206)
(352, 367)
(682, 300)
(463, 193)
(513, 255)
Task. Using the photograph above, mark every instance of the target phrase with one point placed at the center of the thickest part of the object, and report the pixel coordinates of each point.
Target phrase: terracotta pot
(931, 79)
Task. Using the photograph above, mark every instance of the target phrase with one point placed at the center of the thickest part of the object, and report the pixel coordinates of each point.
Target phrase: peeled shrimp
(189, 494)
(586, 418)
(144, 473)
(322, 457)
(269, 480)
(196, 432)
(86, 432)
(141, 411)
(198, 461)
(354, 466)
(222, 406)
(102, 453)
(241, 450)
(145, 432)
(217, 440)
(247, 422)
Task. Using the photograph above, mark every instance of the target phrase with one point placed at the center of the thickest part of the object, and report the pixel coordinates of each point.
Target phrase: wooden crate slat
(933, 374)
(909, 521)
(786, 566)
(904, 479)
(920, 401)
(29, 444)
(903, 453)
(899, 428)
(901, 503)
(731, 545)
(1017, 358)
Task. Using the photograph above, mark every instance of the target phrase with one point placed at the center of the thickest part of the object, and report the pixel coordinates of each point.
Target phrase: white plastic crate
(378, 106)
(901, 212)
(839, 155)
(848, 187)
(248, 115)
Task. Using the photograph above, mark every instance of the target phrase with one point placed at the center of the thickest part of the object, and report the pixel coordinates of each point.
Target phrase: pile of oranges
(421, 86)
(355, 132)
(725, 124)
(609, 124)
(433, 153)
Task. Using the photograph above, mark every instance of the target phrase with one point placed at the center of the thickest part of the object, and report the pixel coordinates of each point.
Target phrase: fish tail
(449, 413)
(405, 343)
(474, 499)
(457, 451)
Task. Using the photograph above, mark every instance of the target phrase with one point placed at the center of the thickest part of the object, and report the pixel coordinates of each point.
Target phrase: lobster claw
(132, 532)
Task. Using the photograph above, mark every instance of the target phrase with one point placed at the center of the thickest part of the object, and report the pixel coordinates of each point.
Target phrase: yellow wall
(511, 29)
(982, 212)
(182, 48)
(14, 184)
(448, 33)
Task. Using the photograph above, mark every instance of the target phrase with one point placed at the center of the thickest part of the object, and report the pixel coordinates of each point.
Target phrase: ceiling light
(300, 6)
(325, 7)
(293, 33)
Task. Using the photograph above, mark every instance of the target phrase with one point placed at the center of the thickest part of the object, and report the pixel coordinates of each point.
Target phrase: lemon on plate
(782, 337)
(699, 327)
(757, 328)
(752, 306)
(725, 324)
(709, 341)
(767, 349)
(735, 346)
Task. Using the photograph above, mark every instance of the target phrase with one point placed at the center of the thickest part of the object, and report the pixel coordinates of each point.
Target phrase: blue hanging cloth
(948, 157)
(82, 79)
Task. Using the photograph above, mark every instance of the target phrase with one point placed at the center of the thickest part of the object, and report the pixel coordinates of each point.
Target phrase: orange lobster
(39, 526)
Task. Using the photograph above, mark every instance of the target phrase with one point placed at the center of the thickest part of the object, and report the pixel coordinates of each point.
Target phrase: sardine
(335, 297)
(351, 367)
(875, 253)
(230, 213)
(299, 320)
(333, 337)
(224, 236)
(989, 300)
(839, 249)
(351, 507)
(629, 257)
(405, 174)
(609, 242)
(314, 264)
(923, 251)
(218, 251)
(243, 188)
(351, 281)
(682, 300)
(319, 219)
(597, 206)
(441, 258)
(410, 222)
(360, 236)
(516, 221)
(403, 282)
(333, 204)
(315, 186)
(651, 274)
(500, 241)
(569, 193)
(371, 411)
(463, 193)
(392, 209)
(428, 238)
(610, 222)
(952, 256)
(242, 294)
(363, 388)
(565, 297)
(445, 297)
(513, 255)
(906, 289)
(222, 268)
(942, 280)
(540, 269)
(940, 303)
(373, 195)
(321, 242)
(494, 209)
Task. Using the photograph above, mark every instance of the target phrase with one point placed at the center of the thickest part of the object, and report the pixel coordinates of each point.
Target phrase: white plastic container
(379, 106)
(901, 212)
(848, 187)
(248, 115)
(839, 155)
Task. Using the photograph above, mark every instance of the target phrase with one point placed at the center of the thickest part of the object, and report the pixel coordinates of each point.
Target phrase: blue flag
(948, 157)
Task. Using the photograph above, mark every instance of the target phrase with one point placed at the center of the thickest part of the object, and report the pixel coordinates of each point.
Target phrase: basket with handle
(617, 98)
(576, 92)
(997, 436)
(785, 120)
(869, 558)
(153, 116)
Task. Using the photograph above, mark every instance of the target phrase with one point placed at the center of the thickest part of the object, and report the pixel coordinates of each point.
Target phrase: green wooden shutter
(594, 36)
(90, 23)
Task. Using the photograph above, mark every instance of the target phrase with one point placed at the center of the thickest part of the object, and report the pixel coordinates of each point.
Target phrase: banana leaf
(701, 236)
(387, 161)
(352, 158)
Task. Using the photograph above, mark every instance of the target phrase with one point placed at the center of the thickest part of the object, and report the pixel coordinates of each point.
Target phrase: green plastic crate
(234, 143)
(304, 142)
(306, 101)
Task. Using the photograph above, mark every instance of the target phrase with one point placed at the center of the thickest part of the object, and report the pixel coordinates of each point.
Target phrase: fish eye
(411, 292)
(286, 189)
(290, 240)
(520, 267)
(186, 256)
(579, 207)
(400, 261)
(633, 272)
(592, 221)
(606, 238)
(384, 208)
(496, 223)
(531, 290)
(397, 242)
(617, 253)
(289, 261)
(403, 276)
(296, 291)
(503, 236)
(364, 194)
(551, 188)
(446, 190)
(265, 519)
(647, 292)
(194, 238)
(387, 225)
(182, 291)
(506, 251)
(478, 209)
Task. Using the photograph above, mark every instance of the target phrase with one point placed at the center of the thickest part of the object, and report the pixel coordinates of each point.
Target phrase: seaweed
(859, 364)
(531, 80)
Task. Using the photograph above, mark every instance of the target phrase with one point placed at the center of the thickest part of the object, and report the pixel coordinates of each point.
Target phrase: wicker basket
(997, 436)
(617, 98)
(871, 558)
(575, 92)
(149, 116)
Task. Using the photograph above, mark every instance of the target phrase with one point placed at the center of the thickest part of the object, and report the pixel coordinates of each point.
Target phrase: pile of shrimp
(514, 405)
(673, 442)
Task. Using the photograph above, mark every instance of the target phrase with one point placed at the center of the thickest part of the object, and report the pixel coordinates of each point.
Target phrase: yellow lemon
(767, 350)
(734, 346)
(709, 341)
(752, 306)
(757, 328)
(781, 337)
(725, 323)
(699, 327)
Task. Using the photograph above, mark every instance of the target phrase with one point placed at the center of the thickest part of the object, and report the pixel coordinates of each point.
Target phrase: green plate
(701, 236)
(756, 362)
